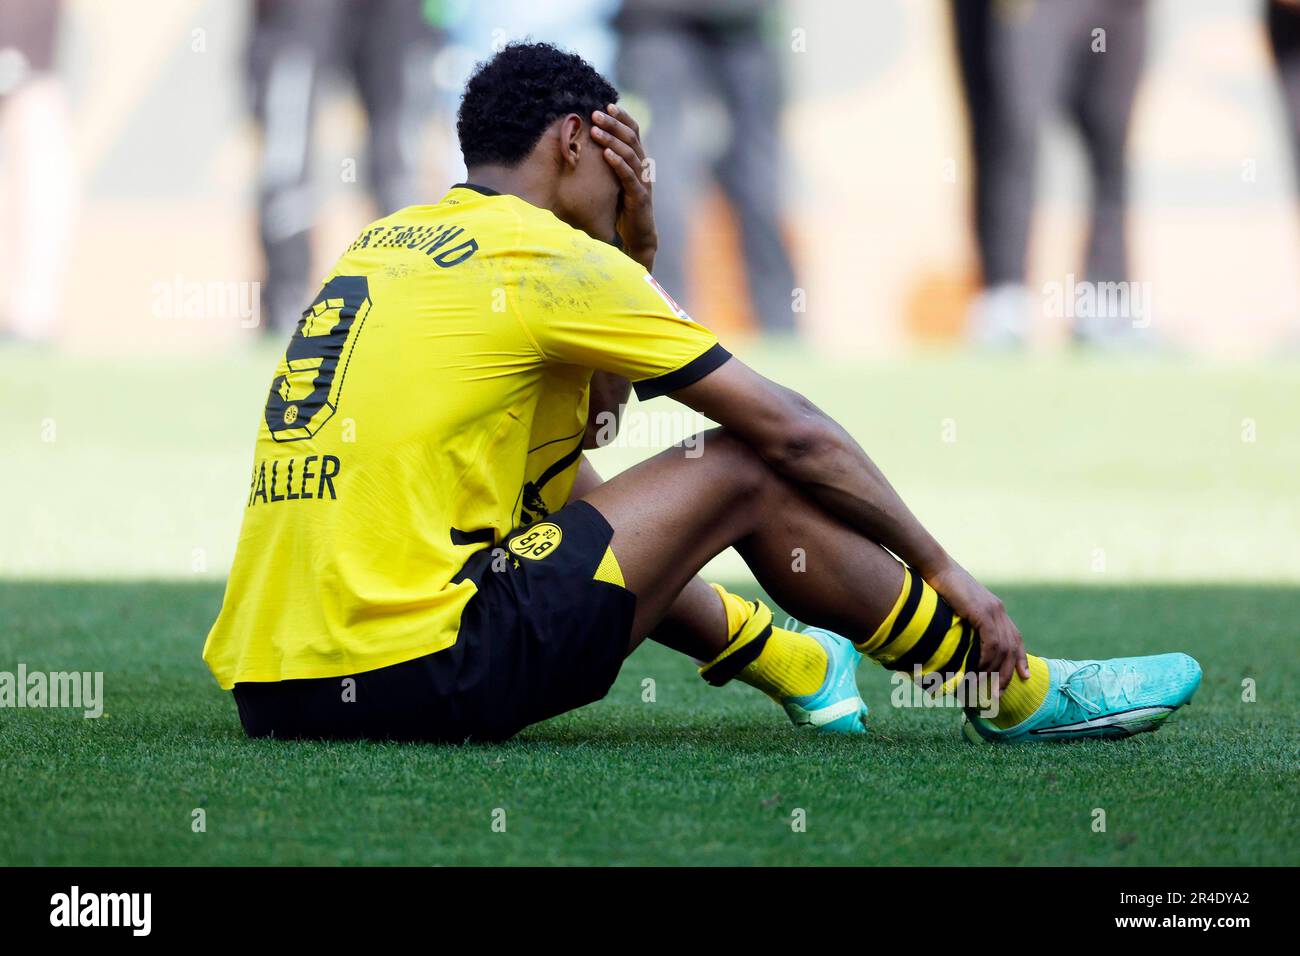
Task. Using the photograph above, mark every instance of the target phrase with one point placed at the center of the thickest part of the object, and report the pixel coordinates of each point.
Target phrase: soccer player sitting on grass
(427, 555)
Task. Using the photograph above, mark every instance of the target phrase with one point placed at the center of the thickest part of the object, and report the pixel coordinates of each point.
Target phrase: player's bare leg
(729, 497)
(696, 624)
(700, 626)
(693, 620)
(673, 513)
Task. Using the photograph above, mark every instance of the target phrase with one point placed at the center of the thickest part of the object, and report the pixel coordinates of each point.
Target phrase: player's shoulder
(548, 232)
(536, 231)
(554, 260)
(590, 273)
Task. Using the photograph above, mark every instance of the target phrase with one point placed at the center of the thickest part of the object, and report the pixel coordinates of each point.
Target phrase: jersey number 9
(309, 380)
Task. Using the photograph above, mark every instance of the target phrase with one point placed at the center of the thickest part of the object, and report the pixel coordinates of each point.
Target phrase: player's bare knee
(746, 474)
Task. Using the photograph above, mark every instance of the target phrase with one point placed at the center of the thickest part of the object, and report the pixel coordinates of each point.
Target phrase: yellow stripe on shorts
(609, 571)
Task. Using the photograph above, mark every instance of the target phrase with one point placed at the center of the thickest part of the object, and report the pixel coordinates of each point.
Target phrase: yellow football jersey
(434, 398)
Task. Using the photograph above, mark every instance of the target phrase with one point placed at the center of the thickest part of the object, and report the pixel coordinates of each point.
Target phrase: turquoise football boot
(837, 707)
(1115, 698)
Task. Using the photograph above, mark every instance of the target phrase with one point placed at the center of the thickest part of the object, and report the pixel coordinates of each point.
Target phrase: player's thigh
(676, 511)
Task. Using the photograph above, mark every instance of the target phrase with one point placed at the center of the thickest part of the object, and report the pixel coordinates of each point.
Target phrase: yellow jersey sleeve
(601, 310)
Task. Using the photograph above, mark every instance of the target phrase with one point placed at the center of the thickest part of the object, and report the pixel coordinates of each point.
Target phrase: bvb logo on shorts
(537, 542)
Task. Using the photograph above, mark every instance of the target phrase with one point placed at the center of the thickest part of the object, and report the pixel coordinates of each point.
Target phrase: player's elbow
(795, 447)
(602, 429)
(803, 434)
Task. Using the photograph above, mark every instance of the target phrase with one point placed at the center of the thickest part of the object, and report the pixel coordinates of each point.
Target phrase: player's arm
(805, 445)
(605, 409)
(619, 135)
(587, 479)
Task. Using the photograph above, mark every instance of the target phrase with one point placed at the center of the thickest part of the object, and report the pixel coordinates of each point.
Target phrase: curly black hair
(511, 99)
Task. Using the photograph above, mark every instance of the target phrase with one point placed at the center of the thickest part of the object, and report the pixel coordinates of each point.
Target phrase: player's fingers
(1022, 657)
(633, 188)
(984, 650)
(626, 118)
(1007, 669)
(618, 130)
(995, 682)
(625, 152)
(609, 141)
(991, 659)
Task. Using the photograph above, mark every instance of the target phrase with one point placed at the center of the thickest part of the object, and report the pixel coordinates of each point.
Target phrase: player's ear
(571, 140)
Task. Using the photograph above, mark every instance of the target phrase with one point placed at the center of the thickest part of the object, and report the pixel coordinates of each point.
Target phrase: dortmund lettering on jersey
(433, 398)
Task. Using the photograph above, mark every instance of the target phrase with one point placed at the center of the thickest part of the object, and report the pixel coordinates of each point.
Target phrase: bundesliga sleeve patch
(663, 294)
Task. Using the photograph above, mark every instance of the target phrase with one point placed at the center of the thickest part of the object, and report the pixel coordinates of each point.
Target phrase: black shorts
(542, 636)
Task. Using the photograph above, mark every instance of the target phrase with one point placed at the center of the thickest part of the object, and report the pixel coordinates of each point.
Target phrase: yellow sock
(1022, 697)
(923, 636)
(778, 662)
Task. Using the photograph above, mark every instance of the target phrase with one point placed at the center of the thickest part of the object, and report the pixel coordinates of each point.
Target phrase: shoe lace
(1074, 688)
(1080, 675)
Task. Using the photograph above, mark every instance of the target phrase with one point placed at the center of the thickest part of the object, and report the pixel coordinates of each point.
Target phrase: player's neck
(522, 181)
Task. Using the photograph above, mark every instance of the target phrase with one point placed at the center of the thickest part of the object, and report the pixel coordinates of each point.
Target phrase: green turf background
(1053, 461)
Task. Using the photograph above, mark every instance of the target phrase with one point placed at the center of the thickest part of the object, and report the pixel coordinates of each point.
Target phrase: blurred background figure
(36, 167)
(1020, 62)
(1284, 38)
(709, 75)
(171, 168)
(386, 48)
(479, 28)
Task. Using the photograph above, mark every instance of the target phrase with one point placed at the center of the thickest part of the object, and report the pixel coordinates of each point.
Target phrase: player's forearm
(608, 396)
(873, 506)
(805, 445)
(833, 469)
(587, 479)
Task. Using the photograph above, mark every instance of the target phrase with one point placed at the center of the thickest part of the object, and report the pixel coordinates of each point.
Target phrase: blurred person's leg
(1102, 104)
(970, 24)
(663, 65)
(1104, 86)
(1026, 57)
(41, 182)
(750, 169)
(393, 63)
(999, 314)
(291, 44)
(1284, 38)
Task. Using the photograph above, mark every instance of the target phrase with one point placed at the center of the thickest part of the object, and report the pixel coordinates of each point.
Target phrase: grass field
(700, 775)
(1119, 507)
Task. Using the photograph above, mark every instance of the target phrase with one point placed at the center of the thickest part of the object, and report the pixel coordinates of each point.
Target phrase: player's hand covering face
(619, 136)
